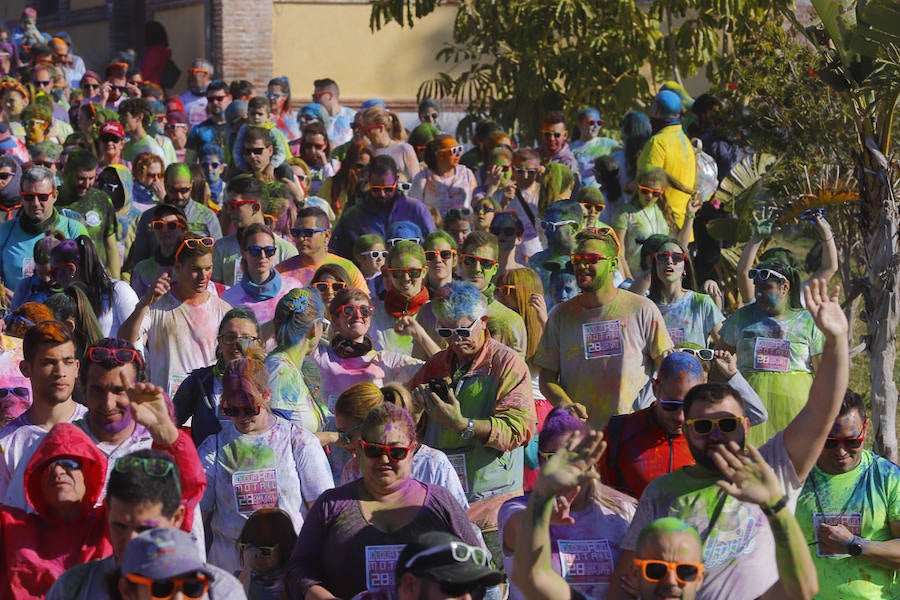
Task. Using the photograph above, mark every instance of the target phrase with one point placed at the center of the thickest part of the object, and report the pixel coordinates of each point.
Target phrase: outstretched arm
(805, 436)
(751, 479)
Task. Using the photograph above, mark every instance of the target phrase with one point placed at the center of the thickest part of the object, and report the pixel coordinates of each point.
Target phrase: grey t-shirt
(739, 550)
(92, 581)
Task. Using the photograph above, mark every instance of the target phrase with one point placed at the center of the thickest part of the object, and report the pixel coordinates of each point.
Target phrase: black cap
(435, 555)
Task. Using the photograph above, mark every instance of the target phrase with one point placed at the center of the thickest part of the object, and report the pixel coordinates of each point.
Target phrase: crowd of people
(258, 348)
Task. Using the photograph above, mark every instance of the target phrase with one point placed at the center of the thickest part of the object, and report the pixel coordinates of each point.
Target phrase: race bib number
(602, 339)
(27, 267)
(677, 335)
(852, 521)
(459, 465)
(254, 490)
(380, 564)
(585, 562)
(772, 354)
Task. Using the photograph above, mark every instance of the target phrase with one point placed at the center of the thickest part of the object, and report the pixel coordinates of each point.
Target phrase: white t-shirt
(123, 302)
(739, 551)
(19, 440)
(180, 338)
(285, 467)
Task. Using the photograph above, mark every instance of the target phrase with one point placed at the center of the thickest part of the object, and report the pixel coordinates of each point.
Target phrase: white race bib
(459, 465)
(380, 564)
(602, 339)
(254, 490)
(585, 562)
(772, 354)
(852, 521)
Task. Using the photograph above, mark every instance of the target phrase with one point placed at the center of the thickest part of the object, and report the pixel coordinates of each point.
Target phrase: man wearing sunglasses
(562, 221)
(554, 144)
(243, 205)
(486, 414)
(176, 319)
(312, 232)
(37, 216)
(215, 129)
(739, 543)
(671, 150)
(194, 99)
(143, 493)
(440, 566)
(382, 205)
(600, 348)
(478, 264)
(848, 511)
(93, 206)
(647, 443)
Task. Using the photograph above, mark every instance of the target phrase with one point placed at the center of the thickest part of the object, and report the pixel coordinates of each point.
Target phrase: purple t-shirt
(332, 547)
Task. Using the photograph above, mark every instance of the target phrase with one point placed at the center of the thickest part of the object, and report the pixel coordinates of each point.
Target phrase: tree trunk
(883, 298)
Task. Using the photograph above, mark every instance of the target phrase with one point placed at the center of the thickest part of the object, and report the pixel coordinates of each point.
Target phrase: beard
(703, 452)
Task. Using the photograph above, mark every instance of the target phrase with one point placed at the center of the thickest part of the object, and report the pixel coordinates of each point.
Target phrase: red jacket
(638, 451)
(38, 547)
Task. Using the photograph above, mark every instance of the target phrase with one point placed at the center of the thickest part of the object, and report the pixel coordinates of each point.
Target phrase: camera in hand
(438, 385)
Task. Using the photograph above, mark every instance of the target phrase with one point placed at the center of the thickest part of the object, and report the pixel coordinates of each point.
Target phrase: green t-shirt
(868, 497)
(98, 215)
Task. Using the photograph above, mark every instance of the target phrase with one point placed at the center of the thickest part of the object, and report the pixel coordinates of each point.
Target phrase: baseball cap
(668, 102)
(406, 230)
(173, 104)
(114, 128)
(443, 557)
(163, 553)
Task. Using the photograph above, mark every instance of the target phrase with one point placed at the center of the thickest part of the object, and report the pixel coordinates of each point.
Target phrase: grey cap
(163, 553)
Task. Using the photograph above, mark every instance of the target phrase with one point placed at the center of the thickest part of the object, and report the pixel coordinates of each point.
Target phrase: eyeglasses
(485, 209)
(506, 231)
(470, 260)
(663, 258)
(459, 212)
(383, 189)
(411, 272)
(165, 589)
(316, 95)
(847, 442)
(171, 126)
(68, 464)
(765, 274)
(657, 570)
(18, 392)
(375, 254)
(459, 551)
(723, 424)
(154, 467)
(231, 339)
(506, 289)
(109, 187)
(455, 150)
(259, 251)
(587, 258)
(432, 255)
(160, 225)
(429, 117)
(395, 453)
(66, 266)
(90, 86)
(344, 436)
(32, 197)
(348, 310)
(5, 176)
(701, 353)
(119, 356)
(329, 286)
(216, 98)
(240, 411)
(43, 82)
(591, 207)
(369, 128)
(197, 71)
(671, 405)
(154, 176)
(554, 225)
(194, 243)
(393, 241)
(592, 122)
(553, 134)
(274, 96)
(655, 192)
(524, 172)
(263, 550)
(460, 332)
(254, 151)
(110, 139)
(306, 232)
(35, 122)
(210, 165)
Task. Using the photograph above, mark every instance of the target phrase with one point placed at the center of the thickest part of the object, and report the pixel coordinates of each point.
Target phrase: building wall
(187, 36)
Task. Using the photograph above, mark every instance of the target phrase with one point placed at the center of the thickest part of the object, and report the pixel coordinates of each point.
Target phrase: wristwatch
(469, 432)
(855, 546)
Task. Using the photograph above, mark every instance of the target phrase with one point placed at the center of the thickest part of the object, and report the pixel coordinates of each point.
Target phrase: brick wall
(242, 34)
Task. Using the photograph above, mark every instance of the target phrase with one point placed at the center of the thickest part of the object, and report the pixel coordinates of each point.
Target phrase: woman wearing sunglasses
(350, 357)
(776, 342)
(327, 281)
(689, 315)
(440, 256)
(294, 377)
(258, 460)
(444, 183)
(266, 543)
(588, 145)
(260, 286)
(113, 300)
(352, 530)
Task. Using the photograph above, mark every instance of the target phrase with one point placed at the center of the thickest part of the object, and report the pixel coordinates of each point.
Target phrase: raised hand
(160, 288)
(572, 464)
(149, 408)
(825, 308)
(749, 478)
